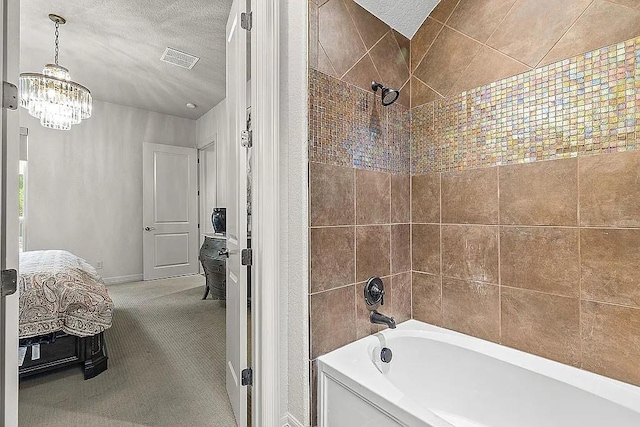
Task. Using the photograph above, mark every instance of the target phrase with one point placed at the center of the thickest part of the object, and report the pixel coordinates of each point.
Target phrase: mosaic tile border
(584, 105)
(349, 127)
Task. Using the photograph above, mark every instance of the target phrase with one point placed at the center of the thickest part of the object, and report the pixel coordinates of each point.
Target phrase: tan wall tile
(422, 40)
(470, 252)
(400, 199)
(324, 63)
(338, 35)
(479, 18)
(405, 46)
(371, 28)
(333, 257)
(488, 66)
(390, 62)
(446, 60)
(610, 190)
(401, 290)
(540, 259)
(470, 196)
(425, 198)
(588, 33)
(427, 298)
(373, 197)
(332, 318)
(610, 261)
(400, 248)
(372, 251)
(313, 34)
(531, 28)
(425, 248)
(362, 73)
(611, 341)
(472, 308)
(364, 327)
(542, 193)
(331, 195)
(542, 324)
(421, 93)
(443, 10)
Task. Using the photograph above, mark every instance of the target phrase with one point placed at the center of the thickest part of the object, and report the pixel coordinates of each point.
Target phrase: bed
(64, 310)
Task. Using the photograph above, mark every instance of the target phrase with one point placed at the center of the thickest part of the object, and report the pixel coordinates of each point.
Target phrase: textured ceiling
(404, 16)
(114, 47)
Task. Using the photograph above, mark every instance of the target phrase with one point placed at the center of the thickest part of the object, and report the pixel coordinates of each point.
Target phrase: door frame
(265, 310)
(279, 87)
(9, 63)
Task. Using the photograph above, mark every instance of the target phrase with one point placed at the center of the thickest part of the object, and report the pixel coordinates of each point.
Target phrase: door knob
(224, 252)
(149, 228)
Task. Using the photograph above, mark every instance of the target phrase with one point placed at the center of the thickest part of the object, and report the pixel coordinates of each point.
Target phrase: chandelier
(51, 96)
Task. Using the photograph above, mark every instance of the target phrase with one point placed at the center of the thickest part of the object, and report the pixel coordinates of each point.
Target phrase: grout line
(441, 251)
(411, 235)
(450, 14)
(360, 225)
(335, 73)
(564, 34)
(553, 294)
(421, 81)
(411, 67)
(500, 23)
(579, 261)
(355, 238)
(390, 227)
(499, 259)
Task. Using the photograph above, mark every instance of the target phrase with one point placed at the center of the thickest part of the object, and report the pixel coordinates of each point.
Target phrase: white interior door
(9, 223)
(170, 211)
(235, 183)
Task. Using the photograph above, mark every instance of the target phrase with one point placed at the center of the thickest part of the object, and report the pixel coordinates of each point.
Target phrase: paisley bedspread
(61, 292)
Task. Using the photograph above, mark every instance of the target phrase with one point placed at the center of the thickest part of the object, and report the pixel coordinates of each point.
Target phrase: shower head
(389, 95)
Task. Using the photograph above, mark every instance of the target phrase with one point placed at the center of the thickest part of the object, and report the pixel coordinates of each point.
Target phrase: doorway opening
(115, 199)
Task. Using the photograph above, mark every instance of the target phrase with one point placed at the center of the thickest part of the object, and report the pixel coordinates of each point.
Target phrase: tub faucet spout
(381, 319)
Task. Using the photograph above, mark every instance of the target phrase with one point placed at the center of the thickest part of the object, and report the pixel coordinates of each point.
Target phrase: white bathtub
(442, 378)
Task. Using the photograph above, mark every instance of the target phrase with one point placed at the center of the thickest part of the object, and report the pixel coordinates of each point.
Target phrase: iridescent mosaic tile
(583, 105)
(349, 127)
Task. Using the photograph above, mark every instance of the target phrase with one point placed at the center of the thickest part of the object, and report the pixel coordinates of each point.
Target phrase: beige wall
(85, 185)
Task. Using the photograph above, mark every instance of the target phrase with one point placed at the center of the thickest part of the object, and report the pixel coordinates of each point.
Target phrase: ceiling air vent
(181, 59)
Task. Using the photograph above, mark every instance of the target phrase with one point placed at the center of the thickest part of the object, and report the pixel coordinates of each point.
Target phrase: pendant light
(52, 96)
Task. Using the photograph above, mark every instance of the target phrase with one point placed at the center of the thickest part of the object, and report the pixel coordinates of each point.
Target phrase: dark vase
(219, 220)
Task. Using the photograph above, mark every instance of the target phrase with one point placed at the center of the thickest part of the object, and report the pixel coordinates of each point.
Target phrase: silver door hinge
(9, 282)
(247, 376)
(246, 138)
(246, 20)
(246, 257)
(9, 96)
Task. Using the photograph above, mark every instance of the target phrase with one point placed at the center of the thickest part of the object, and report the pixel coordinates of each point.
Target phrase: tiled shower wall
(536, 256)
(542, 257)
(359, 209)
(464, 44)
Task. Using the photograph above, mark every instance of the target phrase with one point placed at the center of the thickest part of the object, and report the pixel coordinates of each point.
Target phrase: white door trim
(10, 22)
(279, 70)
(265, 108)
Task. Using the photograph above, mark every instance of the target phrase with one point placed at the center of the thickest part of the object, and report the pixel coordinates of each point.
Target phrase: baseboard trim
(289, 420)
(122, 279)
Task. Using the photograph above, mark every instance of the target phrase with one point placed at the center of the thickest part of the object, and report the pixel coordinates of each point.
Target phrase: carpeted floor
(166, 365)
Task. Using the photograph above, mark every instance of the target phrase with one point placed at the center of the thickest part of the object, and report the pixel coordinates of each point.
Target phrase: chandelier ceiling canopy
(52, 96)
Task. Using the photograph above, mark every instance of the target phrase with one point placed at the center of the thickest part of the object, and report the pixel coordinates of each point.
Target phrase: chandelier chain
(57, 47)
